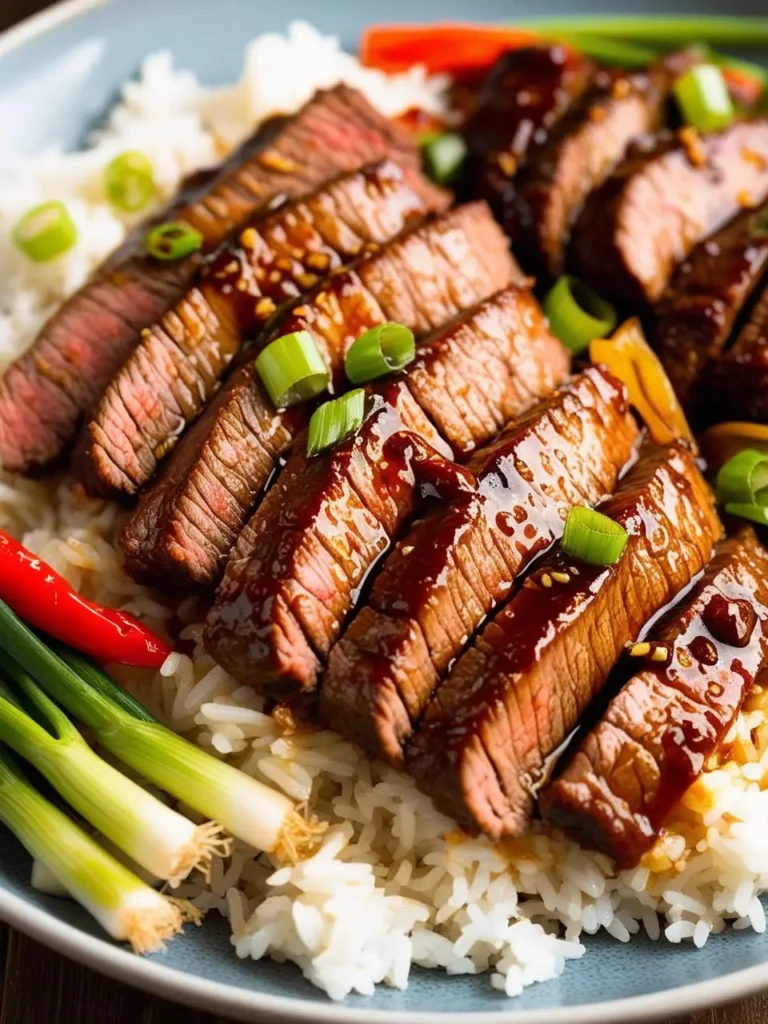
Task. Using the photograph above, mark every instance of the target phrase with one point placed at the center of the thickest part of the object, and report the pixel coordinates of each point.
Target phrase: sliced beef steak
(526, 93)
(456, 564)
(509, 703)
(661, 203)
(582, 151)
(172, 373)
(737, 386)
(696, 314)
(295, 571)
(188, 520)
(659, 732)
(44, 393)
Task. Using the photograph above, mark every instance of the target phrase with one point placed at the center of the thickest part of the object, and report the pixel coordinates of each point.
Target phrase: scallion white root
(127, 908)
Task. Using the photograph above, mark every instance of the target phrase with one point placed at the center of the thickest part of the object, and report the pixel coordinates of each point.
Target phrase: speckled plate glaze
(59, 72)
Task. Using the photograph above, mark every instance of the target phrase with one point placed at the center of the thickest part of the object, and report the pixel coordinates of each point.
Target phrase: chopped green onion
(444, 157)
(381, 350)
(593, 537)
(127, 908)
(577, 315)
(45, 232)
(755, 513)
(334, 421)
(292, 369)
(742, 478)
(157, 838)
(670, 31)
(173, 241)
(703, 97)
(246, 808)
(129, 182)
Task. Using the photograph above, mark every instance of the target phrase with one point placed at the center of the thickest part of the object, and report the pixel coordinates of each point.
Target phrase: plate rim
(188, 989)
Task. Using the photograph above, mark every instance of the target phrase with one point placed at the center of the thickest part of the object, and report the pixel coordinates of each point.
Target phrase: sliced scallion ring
(703, 97)
(755, 513)
(129, 181)
(293, 369)
(593, 537)
(45, 232)
(334, 421)
(172, 241)
(444, 157)
(381, 350)
(577, 314)
(742, 478)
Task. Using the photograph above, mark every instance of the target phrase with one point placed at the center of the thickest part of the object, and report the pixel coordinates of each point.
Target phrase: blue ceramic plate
(59, 72)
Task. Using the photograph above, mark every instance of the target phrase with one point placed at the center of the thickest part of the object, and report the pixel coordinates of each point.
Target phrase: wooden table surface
(41, 987)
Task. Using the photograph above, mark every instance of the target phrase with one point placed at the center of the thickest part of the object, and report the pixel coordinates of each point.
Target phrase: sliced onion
(577, 314)
(293, 369)
(593, 537)
(381, 350)
(334, 421)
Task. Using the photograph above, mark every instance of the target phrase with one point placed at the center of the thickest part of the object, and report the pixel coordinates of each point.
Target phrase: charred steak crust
(524, 95)
(297, 566)
(491, 730)
(659, 732)
(44, 394)
(583, 149)
(736, 386)
(696, 314)
(173, 371)
(188, 520)
(456, 564)
(662, 202)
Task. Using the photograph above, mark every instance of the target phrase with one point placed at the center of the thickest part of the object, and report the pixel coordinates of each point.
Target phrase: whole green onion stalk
(248, 809)
(127, 908)
(159, 839)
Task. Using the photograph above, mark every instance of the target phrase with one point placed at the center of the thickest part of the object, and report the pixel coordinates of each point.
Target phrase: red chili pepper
(44, 599)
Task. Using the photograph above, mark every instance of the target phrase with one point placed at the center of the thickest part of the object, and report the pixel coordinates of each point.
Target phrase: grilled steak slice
(187, 522)
(525, 94)
(296, 568)
(660, 730)
(515, 696)
(737, 386)
(44, 393)
(456, 564)
(173, 371)
(582, 151)
(659, 204)
(696, 315)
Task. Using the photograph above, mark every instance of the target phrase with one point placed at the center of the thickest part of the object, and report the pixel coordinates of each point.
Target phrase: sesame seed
(639, 650)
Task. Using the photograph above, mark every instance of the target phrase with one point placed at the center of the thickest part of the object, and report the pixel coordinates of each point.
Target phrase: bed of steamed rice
(394, 882)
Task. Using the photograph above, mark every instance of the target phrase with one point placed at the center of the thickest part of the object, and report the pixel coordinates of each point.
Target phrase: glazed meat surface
(490, 732)
(660, 730)
(298, 565)
(736, 387)
(456, 564)
(178, 363)
(46, 391)
(187, 522)
(660, 203)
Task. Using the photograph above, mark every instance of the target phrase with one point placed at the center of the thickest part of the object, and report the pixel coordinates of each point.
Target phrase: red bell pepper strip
(44, 599)
(453, 48)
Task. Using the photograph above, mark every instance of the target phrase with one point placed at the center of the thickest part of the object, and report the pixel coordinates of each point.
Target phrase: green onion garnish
(670, 31)
(128, 909)
(129, 182)
(45, 232)
(163, 842)
(245, 807)
(444, 156)
(293, 369)
(755, 513)
(593, 537)
(577, 315)
(703, 97)
(173, 241)
(333, 421)
(743, 477)
(381, 350)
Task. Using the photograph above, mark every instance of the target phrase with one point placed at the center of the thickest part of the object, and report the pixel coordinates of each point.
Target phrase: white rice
(395, 883)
